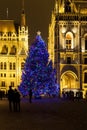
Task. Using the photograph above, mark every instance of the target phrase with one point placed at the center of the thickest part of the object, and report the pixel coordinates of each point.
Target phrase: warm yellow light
(74, 30)
(63, 30)
(65, 86)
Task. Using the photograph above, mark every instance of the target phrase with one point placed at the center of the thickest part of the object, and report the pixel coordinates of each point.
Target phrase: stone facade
(67, 44)
(13, 51)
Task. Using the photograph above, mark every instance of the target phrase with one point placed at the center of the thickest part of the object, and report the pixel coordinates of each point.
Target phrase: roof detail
(7, 26)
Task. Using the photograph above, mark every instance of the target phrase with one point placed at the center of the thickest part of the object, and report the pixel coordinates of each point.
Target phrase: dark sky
(38, 14)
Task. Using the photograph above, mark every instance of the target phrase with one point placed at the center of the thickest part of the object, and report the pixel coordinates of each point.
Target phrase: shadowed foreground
(45, 114)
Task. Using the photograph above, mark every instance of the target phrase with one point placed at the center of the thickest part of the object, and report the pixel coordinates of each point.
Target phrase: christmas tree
(38, 73)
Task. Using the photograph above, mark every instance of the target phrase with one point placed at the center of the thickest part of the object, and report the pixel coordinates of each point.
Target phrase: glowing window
(68, 40)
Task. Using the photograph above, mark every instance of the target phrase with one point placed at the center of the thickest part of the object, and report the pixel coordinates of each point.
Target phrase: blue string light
(38, 74)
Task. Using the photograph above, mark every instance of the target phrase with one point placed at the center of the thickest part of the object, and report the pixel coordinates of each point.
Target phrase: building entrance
(69, 81)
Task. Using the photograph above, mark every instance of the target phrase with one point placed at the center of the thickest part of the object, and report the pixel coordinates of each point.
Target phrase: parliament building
(67, 44)
(13, 50)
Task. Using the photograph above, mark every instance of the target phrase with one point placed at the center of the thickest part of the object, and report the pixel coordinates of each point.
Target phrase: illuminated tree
(38, 73)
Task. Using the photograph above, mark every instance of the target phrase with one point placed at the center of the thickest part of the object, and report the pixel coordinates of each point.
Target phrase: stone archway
(69, 81)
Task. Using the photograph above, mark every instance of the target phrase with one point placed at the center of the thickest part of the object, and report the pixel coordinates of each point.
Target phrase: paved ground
(45, 114)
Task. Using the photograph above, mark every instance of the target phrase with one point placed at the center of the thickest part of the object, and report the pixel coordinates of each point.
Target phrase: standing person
(16, 101)
(11, 98)
(30, 95)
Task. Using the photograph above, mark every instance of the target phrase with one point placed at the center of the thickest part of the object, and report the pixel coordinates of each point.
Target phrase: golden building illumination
(67, 44)
(13, 51)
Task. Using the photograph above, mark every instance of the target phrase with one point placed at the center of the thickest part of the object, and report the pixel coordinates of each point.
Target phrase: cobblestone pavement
(45, 114)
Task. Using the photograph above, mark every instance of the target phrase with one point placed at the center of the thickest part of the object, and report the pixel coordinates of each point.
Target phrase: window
(1, 75)
(68, 44)
(68, 60)
(68, 40)
(86, 43)
(1, 65)
(12, 84)
(67, 7)
(4, 75)
(13, 75)
(4, 50)
(10, 66)
(13, 50)
(23, 39)
(3, 83)
(22, 65)
(14, 66)
(85, 60)
(5, 65)
(85, 77)
(10, 75)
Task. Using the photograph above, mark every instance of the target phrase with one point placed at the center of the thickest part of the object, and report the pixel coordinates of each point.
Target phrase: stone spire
(23, 19)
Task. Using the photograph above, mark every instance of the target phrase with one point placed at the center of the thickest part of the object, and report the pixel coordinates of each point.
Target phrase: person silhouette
(16, 101)
(11, 98)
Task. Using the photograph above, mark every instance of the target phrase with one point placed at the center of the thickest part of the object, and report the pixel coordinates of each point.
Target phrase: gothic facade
(13, 51)
(67, 44)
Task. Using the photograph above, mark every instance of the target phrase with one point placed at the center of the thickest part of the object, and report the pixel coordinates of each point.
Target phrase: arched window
(13, 50)
(69, 38)
(4, 50)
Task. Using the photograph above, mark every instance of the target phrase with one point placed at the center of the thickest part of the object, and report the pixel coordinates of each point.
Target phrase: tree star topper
(38, 33)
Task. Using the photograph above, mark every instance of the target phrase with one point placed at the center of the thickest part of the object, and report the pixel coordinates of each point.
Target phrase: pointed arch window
(4, 50)
(13, 50)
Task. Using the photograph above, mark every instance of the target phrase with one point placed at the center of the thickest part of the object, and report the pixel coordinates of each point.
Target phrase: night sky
(38, 14)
